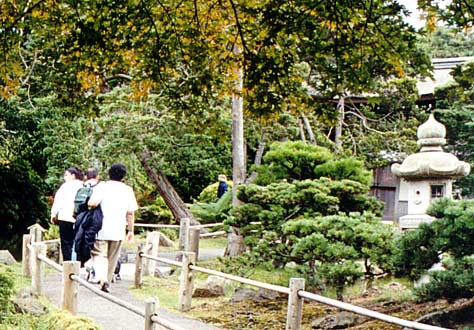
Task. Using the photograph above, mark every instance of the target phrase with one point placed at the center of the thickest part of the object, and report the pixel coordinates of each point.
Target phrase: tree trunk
(340, 121)
(300, 127)
(258, 158)
(167, 192)
(235, 244)
(307, 124)
(238, 154)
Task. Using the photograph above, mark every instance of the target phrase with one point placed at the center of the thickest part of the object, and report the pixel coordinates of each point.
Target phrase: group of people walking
(118, 204)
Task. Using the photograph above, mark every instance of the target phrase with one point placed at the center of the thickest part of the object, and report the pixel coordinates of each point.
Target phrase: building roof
(441, 74)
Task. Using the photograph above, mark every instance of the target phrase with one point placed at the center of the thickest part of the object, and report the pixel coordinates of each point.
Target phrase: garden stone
(204, 293)
(336, 321)
(27, 302)
(216, 284)
(214, 288)
(165, 241)
(6, 258)
(395, 286)
(242, 294)
(163, 271)
(265, 295)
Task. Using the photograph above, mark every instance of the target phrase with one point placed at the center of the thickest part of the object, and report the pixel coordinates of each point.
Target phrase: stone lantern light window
(437, 191)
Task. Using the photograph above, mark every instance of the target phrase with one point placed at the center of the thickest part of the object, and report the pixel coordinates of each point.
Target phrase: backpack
(87, 225)
(81, 199)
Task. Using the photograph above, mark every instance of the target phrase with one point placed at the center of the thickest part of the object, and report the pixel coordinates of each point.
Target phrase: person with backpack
(88, 221)
(118, 204)
(63, 208)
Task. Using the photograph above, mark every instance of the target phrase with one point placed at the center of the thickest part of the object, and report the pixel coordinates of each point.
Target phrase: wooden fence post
(183, 232)
(295, 305)
(152, 238)
(151, 307)
(186, 282)
(70, 288)
(36, 231)
(37, 268)
(26, 255)
(138, 268)
(193, 241)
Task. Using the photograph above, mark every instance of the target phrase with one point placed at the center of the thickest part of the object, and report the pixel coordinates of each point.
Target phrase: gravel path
(114, 317)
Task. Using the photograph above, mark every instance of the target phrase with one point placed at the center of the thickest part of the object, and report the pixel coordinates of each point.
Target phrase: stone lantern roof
(431, 161)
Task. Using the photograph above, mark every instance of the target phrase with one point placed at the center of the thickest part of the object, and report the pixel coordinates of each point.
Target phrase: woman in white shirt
(63, 208)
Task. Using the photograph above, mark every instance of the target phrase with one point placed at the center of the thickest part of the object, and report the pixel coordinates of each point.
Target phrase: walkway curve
(111, 316)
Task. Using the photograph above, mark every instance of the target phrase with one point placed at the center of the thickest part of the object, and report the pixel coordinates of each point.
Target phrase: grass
(272, 314)
(53, 319)
(247, 314)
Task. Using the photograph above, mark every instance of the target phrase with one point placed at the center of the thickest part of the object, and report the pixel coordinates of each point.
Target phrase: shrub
(213, 211)
(313, 209)
(449, 234)
(6, 292)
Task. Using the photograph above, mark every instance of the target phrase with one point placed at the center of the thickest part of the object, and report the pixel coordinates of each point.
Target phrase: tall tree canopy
(179, 61)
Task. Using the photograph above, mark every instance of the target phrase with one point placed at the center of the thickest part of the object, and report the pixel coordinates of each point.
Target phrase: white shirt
(115, 199)
(63, 205)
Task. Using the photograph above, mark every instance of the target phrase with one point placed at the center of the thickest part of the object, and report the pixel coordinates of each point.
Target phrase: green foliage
(214, 211)
(455, 13)
(6, 292)
(330, 245)
(313, 222)
(455, 111)
(385, 128)
(447, 41)
(450, 233)
(291, 161)
(156, 212)
(453, 283)
(64, 320)
(344, 169)
(23, 202)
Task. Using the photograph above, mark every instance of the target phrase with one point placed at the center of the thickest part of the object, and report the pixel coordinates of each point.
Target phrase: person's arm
(56, 204)
(130, 226)
(95, 198)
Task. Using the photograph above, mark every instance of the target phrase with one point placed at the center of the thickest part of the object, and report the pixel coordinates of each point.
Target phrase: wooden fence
(34, 259)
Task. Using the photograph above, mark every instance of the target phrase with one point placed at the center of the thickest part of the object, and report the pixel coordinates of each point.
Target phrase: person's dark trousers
(66, 234)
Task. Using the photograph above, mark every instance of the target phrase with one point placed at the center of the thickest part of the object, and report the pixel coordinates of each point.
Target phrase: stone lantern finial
(431, 135)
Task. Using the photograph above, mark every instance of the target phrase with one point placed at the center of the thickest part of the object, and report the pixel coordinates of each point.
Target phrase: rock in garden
(6, 258)
(265, 295)
(242, 294)
(214, 288)
(163, 271)
(216, 285)
(204, 293)
(165, 241)
(27, 302)
(336, 321)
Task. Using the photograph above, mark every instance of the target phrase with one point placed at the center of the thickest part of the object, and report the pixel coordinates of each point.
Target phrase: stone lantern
(426, 175)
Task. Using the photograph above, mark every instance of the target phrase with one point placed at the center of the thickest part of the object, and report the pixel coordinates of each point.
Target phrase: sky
(414, 18)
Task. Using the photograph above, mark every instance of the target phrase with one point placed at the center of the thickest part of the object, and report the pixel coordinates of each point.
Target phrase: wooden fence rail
(35, 258)
(295, 291)
(367, 312)
(34, 266)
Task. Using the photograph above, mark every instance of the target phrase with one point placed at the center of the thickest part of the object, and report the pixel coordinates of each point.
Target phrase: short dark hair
(117, 172)
(76, 172)
(92, 173)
